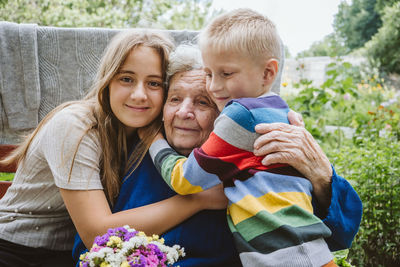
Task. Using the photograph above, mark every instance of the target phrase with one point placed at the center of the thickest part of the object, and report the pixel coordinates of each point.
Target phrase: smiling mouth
(141, 109)
(186, 129)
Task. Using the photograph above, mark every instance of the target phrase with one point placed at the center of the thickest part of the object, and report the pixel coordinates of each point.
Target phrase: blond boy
(269, 212)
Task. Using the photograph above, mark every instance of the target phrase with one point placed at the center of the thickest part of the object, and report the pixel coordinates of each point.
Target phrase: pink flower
(96, 248)
(388, 127)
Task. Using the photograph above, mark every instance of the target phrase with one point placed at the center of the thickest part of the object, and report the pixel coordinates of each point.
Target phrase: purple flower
(138, 261)
(102, 240)
(119, 231)
(129, 235)
(156, 251)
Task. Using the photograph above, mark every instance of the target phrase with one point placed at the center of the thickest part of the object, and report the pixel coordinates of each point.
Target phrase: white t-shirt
(32, 212)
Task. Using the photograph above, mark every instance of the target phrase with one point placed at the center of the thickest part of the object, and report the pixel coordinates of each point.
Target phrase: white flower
(115, 259)
(101, 253)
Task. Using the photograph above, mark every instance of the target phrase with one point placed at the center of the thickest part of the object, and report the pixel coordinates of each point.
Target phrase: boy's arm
(173, 168)
(226, 152)
(343, 216)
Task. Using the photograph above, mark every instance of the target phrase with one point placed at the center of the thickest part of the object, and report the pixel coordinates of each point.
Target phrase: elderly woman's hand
(295, 146)
(295, 118)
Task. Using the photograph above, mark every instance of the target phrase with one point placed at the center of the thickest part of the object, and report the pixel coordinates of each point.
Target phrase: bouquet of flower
(124, 246)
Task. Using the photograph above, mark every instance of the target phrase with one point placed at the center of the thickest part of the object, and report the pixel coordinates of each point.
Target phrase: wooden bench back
(4, 151)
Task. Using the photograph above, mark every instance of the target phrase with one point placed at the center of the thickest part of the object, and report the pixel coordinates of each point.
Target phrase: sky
(299, 22)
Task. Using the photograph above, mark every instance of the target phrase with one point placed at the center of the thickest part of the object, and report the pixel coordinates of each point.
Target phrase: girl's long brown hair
(114, 163)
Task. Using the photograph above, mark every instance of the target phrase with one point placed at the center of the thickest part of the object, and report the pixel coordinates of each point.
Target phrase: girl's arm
(73, 155)
(92, 215)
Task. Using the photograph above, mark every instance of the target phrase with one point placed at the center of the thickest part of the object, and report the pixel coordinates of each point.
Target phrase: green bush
(370, 160)
(332, 103)
(340, 257)
(374, 165)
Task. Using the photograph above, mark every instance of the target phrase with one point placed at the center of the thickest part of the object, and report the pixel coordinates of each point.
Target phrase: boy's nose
(214, 85)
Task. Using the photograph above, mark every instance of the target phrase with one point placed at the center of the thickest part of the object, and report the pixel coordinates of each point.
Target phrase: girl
(70, 166)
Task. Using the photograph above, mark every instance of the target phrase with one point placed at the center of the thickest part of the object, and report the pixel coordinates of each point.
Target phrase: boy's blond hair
(244, 31)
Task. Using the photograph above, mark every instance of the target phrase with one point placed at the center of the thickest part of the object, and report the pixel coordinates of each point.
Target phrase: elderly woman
(189, 114)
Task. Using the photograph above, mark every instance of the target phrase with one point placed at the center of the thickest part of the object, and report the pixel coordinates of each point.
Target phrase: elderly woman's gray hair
(185, 57)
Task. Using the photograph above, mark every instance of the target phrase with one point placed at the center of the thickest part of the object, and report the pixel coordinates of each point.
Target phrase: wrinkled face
(189, 113)
(232, 75)
(136, 91)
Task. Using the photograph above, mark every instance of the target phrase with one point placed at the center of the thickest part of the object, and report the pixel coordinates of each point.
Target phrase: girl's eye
(154, 84)
(126, 79)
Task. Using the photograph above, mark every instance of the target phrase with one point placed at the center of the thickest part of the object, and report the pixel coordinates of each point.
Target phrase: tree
(162, 14)
(330, 46)
(381, 4)
(384, 47)
(357, 22)
(373, 25)
(193, 14)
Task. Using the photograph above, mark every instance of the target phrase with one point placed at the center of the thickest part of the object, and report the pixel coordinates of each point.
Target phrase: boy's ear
(270, 71)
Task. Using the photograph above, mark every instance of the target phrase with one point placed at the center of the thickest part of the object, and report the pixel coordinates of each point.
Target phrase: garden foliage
(370, 160)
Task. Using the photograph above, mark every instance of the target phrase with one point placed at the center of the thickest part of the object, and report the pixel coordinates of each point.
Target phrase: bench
(35, 78)
(4, 151)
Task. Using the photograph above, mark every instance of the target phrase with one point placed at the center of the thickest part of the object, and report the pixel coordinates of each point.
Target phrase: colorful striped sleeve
(182, 174)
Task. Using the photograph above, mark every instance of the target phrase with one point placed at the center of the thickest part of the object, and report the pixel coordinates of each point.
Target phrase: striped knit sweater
(269, 212)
